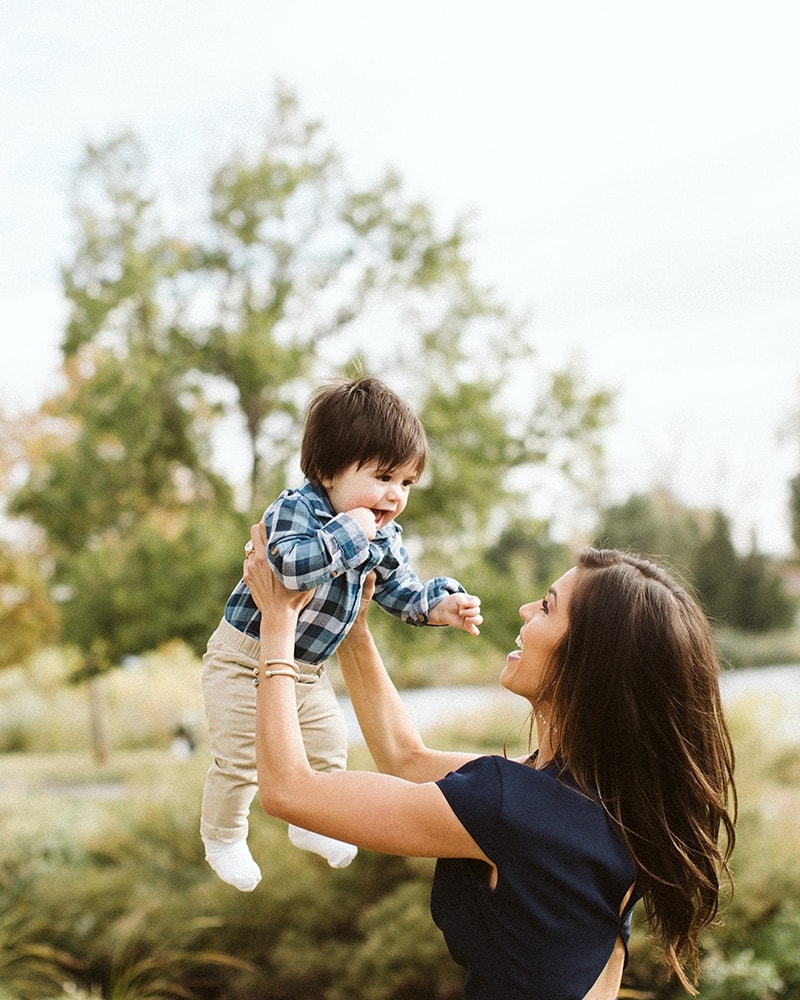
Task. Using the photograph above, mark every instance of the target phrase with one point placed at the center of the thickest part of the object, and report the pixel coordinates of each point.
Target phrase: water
(771, 696)
(777, 690)
(433, 706)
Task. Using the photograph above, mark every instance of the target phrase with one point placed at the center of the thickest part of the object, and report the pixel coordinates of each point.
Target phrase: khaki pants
(230, 700)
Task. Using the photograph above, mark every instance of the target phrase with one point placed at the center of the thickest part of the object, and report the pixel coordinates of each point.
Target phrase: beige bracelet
(291, 672)
(286, 663)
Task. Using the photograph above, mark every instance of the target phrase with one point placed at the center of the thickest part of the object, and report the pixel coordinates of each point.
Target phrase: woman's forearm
(280, 755)
(390, 733)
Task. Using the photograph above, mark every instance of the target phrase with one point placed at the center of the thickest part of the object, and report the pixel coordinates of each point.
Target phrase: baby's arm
(459, 611)
(440, 601)
(304, 552)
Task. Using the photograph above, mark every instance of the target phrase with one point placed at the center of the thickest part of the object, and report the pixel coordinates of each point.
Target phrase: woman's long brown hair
(634, 695)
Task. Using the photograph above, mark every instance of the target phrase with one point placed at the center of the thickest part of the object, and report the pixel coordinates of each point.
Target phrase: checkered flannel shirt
(312, 546)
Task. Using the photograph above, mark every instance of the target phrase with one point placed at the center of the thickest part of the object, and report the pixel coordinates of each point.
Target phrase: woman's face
(544, 624)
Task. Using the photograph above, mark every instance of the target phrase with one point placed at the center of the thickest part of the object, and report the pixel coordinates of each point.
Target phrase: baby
(363, 449)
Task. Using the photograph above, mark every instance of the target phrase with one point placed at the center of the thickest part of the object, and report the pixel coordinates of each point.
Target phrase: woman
(540, 859)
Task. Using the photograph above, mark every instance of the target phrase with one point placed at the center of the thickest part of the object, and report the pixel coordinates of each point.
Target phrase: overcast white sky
(633, 168)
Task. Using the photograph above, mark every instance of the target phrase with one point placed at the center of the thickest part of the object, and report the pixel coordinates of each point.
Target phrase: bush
(103, 887)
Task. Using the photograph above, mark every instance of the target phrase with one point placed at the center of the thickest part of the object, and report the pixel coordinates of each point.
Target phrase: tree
(791, 431)
(794, 510)
(301, 263)
(742, 592)
(123, 469)
(654, 525)
(294, 276)
(760, 601)
(28, 618)
(717, 568)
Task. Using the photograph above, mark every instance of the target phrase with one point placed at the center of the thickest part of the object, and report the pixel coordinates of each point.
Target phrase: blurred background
(568, 234)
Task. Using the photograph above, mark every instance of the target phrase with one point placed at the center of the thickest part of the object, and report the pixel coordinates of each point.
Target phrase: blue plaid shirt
(312, 546)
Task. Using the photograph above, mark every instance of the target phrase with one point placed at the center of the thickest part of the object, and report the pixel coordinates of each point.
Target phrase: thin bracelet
(276, 673)
(292, 672)
(286, 663)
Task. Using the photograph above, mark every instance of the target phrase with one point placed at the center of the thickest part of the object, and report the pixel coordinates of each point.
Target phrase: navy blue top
(548, 928)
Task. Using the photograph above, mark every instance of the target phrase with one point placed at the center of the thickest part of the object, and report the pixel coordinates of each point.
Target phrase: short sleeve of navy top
(549, 927)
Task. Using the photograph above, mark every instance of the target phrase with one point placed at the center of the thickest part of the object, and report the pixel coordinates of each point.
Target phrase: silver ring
(249, 547)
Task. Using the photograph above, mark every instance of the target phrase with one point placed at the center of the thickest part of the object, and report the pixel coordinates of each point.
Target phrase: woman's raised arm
(390, 733)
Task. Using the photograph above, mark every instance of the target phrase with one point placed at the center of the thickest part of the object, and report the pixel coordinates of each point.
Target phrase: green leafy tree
(791, 432)
(294, 275)
(716, 568)
(742, 592)
(794, 510)
(301, 263)
(28, 618)
(654, 525)
(760, 601)
(121, 480)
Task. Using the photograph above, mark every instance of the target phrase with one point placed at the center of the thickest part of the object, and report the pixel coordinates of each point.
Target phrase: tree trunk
(97, 710)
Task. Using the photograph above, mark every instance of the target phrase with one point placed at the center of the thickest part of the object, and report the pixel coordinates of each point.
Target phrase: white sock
(233, 863)
(337, 853)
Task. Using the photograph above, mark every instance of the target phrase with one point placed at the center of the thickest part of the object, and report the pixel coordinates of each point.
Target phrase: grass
(104, 893)
(754, 649)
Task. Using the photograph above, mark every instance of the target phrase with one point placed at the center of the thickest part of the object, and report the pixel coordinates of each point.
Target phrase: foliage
(160, 580)
(113, 896)
(294, 275)
(794, 509)
(27, 615)
(761, 649)
(118, 483)
(741, 592)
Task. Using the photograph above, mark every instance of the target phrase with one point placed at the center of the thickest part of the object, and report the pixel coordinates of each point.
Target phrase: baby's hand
(460, 611)
(366, 520)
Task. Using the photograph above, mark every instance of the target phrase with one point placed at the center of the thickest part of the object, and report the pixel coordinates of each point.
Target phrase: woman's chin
(507, 673)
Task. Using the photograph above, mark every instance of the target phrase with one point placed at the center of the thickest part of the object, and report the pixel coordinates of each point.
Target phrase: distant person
(363, 449)
(183, 742)
(541, 859)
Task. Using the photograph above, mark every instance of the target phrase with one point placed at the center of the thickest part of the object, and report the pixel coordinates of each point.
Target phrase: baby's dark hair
(357, 421)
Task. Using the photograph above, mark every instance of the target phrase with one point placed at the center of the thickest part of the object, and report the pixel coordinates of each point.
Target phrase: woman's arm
(377, 811)
(389, 731)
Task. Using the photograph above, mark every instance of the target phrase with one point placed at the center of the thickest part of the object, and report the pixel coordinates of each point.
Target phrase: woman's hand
(272, 598)
(367, 593)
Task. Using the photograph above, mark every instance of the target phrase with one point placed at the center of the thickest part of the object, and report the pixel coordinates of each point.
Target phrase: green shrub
(104, 893)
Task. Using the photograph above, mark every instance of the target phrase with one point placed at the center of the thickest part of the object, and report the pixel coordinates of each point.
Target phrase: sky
(632, 169)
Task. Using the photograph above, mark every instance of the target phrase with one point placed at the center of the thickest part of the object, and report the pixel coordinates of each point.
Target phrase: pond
(776, 689)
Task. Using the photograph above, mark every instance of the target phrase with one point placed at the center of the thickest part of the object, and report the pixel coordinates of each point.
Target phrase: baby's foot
(233, 863)
(337, 853)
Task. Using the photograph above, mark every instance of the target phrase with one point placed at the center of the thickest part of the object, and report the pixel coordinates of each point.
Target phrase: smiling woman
(540, 859)
(545, 623)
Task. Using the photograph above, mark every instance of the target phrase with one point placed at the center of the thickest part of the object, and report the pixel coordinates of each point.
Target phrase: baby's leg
(324, 734)
(230, 783)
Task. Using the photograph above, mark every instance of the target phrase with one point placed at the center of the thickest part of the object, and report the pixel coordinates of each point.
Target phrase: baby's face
(384, 492)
